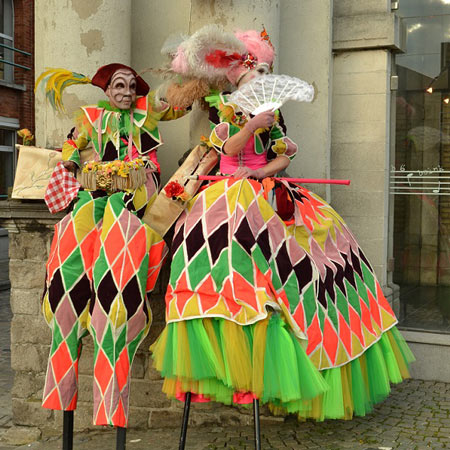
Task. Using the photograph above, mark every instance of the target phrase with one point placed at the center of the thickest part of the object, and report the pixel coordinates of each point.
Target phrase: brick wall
(16, 103)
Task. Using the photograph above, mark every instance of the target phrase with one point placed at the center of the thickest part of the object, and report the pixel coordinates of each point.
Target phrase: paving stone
(21, 435)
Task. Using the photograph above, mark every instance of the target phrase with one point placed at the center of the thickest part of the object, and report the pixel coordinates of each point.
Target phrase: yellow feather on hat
(56, 80)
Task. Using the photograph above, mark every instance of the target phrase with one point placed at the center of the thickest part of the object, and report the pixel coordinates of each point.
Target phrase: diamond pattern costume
(271, 297)
(103, 262)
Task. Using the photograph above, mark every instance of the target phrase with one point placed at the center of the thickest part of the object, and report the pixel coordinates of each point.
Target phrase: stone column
(364, 35)
(242, 15)
(79, 35)
(153, 22)
(305, 52)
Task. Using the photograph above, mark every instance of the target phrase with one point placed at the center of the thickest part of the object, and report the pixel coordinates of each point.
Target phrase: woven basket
(101, 179)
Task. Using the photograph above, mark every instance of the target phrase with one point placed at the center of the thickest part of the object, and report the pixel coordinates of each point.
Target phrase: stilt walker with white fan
(270, 299)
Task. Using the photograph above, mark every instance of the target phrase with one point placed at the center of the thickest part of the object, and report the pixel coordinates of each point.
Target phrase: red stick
(291, 180)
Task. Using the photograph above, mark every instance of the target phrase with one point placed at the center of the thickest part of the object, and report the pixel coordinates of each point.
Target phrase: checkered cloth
(62, 188)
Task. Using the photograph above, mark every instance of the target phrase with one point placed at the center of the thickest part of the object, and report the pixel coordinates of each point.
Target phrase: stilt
(67, 430)
(121, 438)
(187, 406)
(256, 420)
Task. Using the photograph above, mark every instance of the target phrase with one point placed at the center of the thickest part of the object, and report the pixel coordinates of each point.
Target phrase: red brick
(16, 103)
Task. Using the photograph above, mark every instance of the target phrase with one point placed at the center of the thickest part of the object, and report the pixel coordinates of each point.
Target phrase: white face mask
(121, 91)
(260, 69)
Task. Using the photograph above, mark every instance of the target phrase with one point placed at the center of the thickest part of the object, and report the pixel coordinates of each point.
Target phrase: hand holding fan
(269, 92)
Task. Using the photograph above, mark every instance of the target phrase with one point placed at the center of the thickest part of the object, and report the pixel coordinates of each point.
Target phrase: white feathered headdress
(207, 54)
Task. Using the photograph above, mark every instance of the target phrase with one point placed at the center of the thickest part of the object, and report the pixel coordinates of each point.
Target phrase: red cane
(291, 180)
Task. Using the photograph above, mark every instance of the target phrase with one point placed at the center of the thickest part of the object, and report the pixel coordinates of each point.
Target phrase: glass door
(420, 176)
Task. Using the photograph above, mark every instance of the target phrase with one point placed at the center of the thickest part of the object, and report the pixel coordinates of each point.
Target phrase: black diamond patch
(195, 240)
(107, 291)
(218, 241)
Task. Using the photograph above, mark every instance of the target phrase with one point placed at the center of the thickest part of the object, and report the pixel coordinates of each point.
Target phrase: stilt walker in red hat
(104, 260)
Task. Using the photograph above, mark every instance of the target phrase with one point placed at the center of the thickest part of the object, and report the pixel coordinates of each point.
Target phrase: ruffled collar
(104, 104)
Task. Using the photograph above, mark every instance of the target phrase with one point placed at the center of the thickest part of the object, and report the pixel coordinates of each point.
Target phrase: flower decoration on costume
(176, 191)
(239, 119)
(117, 167)
(27, 137)
(205, 141)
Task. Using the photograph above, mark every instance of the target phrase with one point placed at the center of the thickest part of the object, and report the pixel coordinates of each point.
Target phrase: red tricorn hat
(103, 76)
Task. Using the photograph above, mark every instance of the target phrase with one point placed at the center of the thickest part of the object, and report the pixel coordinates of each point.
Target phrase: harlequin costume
(104, 259)
(270, 296)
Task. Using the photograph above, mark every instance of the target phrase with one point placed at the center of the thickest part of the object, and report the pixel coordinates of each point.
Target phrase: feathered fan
(269, 92)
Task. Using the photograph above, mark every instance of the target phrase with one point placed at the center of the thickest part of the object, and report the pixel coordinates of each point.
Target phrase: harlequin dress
(271, 297)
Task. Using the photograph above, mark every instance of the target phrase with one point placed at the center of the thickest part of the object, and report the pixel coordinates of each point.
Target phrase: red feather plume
(220, 58)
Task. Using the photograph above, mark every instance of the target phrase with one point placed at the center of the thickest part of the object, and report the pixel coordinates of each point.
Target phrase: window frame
(11, 125)
(8, 39)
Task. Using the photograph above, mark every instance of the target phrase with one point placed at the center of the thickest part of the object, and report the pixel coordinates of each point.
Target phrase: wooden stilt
(256, 422)
(67, 430)
(121, 438)
(184, 426)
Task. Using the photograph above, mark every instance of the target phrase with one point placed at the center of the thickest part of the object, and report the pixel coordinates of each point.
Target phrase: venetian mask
(121, 90)
(258, 70)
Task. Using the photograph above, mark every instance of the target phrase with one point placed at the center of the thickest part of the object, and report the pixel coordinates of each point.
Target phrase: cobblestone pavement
(415, 416)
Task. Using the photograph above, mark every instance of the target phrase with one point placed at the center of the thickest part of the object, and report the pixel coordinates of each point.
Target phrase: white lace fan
(269, 92)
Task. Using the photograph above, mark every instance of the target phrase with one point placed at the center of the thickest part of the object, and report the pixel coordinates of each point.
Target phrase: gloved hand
(70, 166)
(262, 120)
(246, 172)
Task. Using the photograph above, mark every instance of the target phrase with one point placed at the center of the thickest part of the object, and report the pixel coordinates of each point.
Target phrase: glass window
(6, 138)
(7, 160)
(6, 39)
(420, 176)
(6, 173)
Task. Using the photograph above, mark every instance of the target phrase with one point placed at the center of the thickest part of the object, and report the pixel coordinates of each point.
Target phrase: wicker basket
(112, 176)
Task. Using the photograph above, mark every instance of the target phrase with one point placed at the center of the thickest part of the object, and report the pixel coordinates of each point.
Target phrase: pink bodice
(246, 158)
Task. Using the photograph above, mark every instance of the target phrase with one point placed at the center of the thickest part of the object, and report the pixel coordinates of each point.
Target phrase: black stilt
(187, 407)
(121, 438)
(256, 420)
(68, 430)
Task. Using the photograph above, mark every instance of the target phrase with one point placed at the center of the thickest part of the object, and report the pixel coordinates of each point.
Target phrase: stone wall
(30, 229)
(365, 34)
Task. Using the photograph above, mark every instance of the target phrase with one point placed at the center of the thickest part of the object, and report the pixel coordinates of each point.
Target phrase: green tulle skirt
(219, 360)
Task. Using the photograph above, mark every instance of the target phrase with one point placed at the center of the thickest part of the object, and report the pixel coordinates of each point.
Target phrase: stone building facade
(346, 48)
